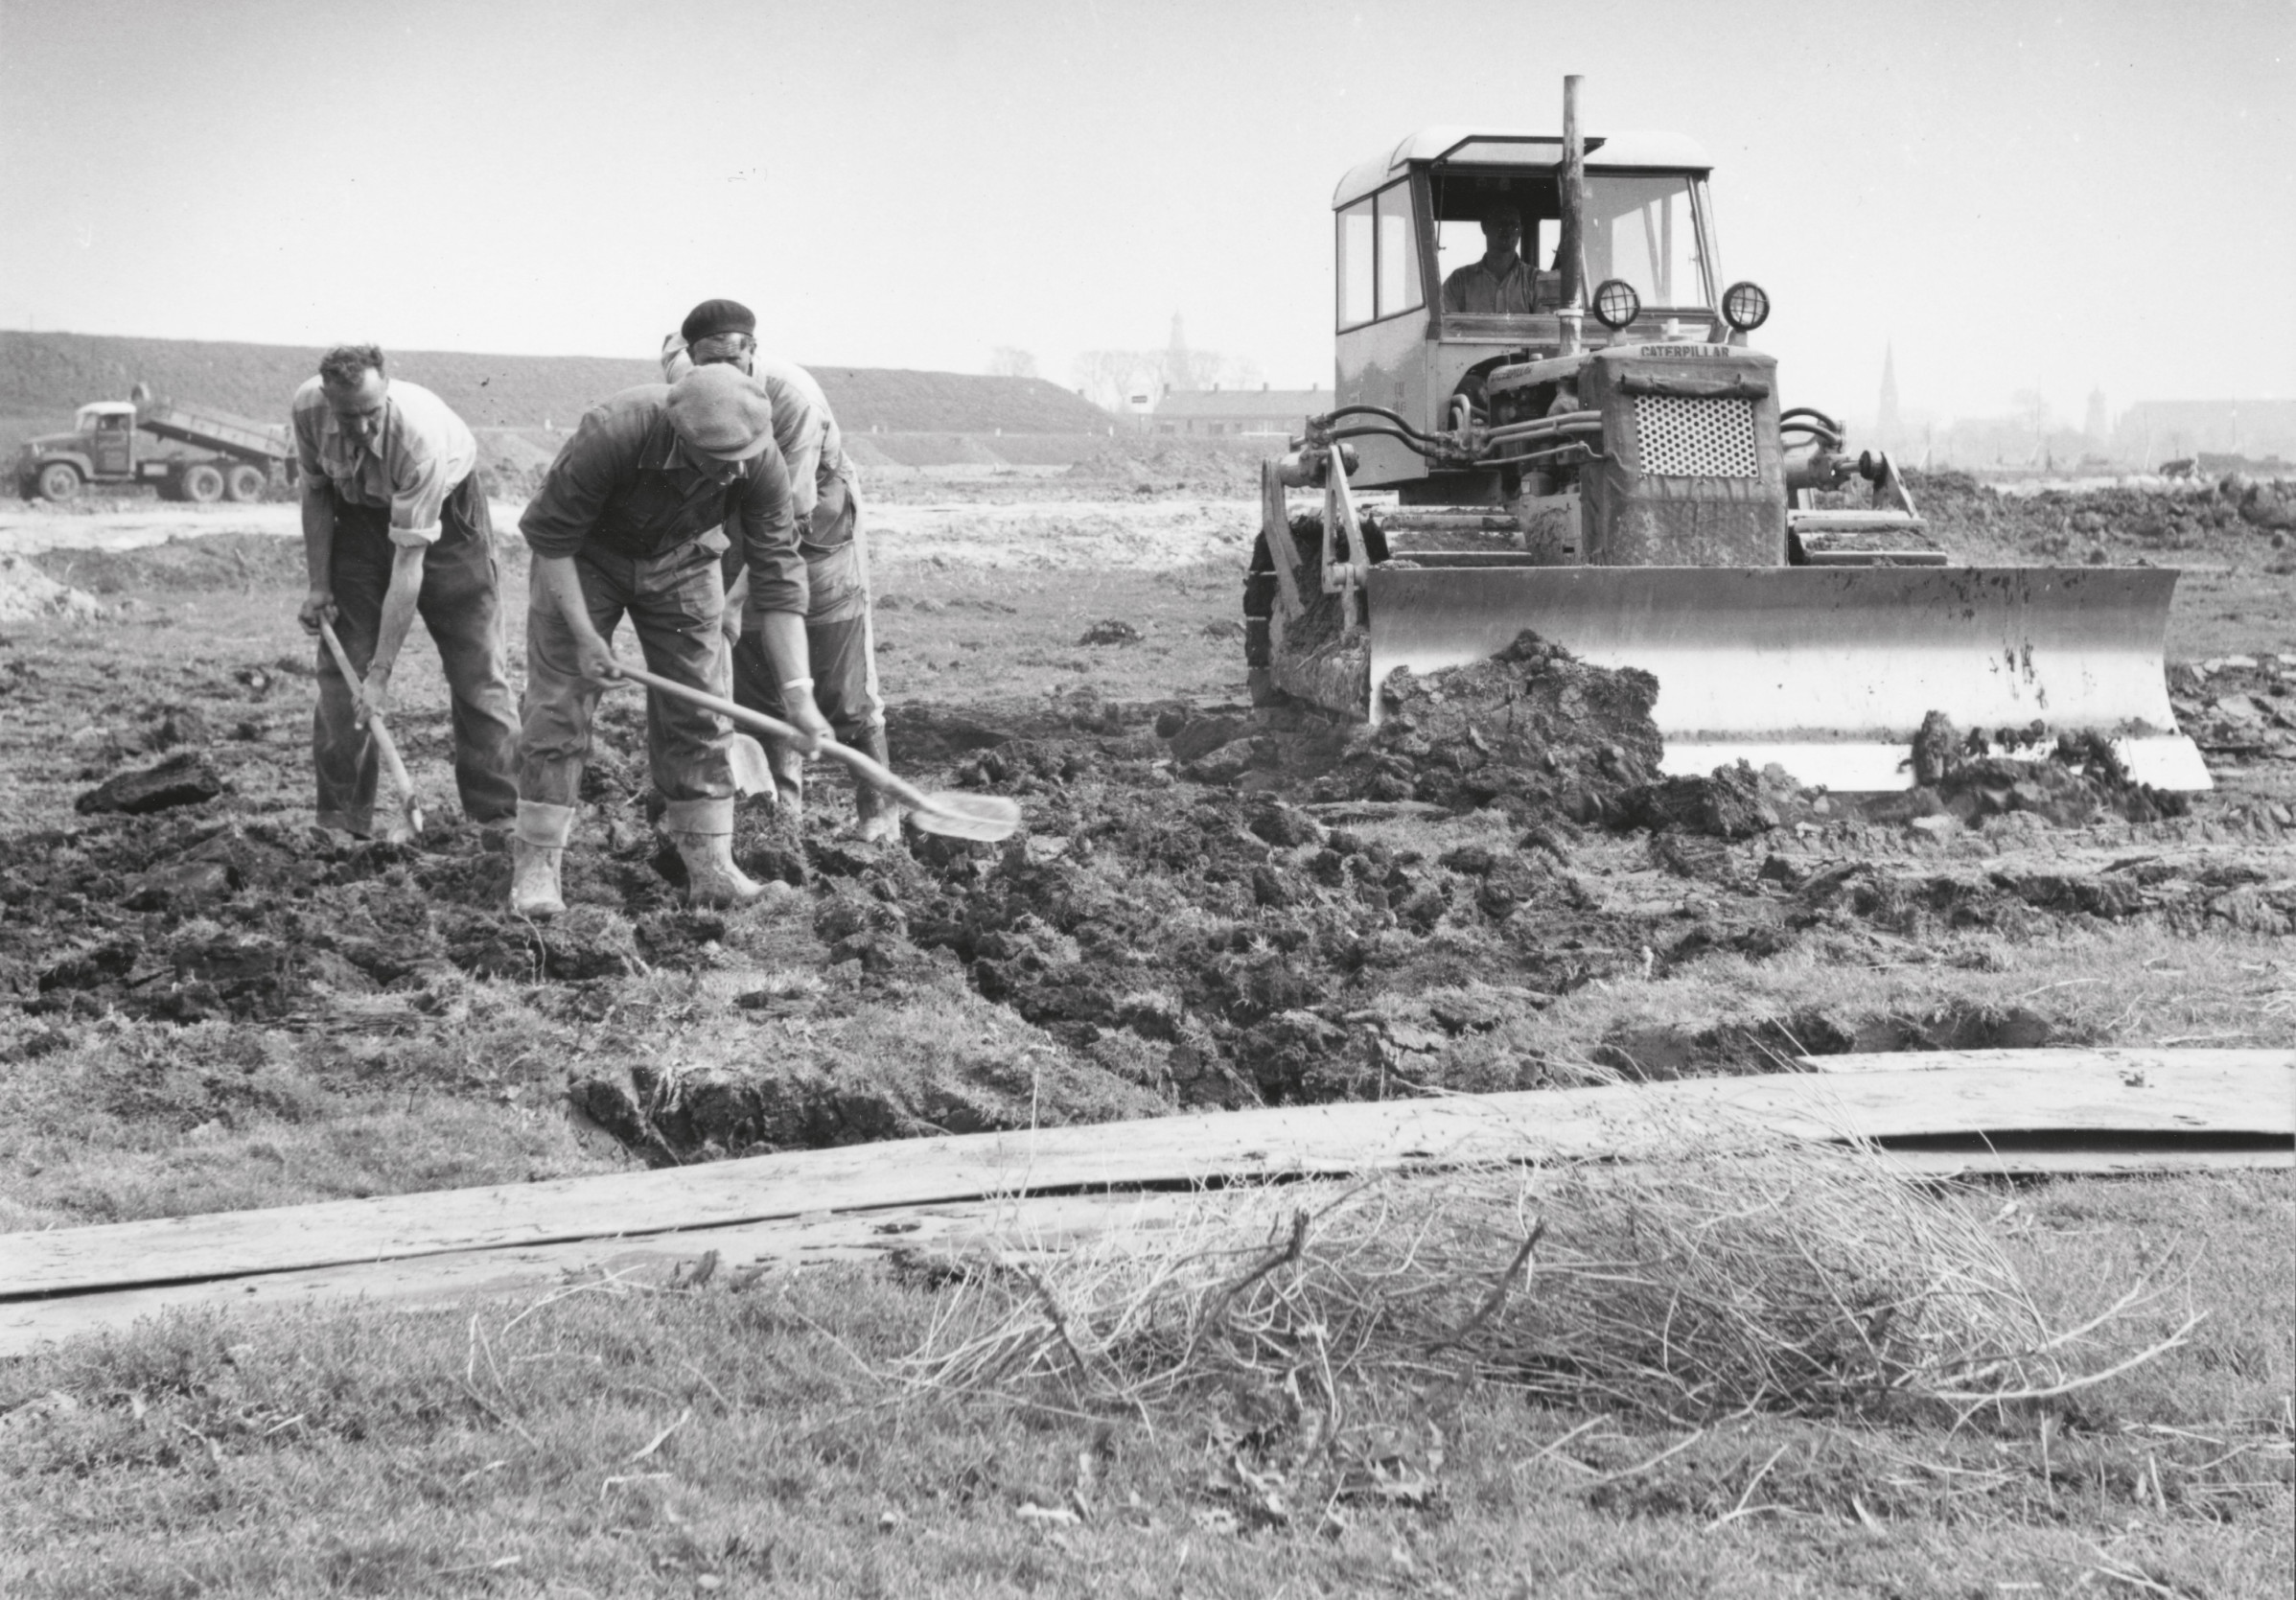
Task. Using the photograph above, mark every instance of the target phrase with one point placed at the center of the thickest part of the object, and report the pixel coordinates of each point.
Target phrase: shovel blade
(753, 769)
(983, 816)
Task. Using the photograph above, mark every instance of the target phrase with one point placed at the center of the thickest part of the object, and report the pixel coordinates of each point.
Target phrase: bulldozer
(1613, 468)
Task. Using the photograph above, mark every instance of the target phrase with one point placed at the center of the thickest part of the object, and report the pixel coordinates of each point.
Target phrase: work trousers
(839, 637)
(460, 605)
(674, 603)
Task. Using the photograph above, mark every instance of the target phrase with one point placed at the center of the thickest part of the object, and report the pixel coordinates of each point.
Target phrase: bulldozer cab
(1410, 222)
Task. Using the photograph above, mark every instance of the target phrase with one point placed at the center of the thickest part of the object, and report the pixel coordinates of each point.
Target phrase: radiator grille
(1695, 438)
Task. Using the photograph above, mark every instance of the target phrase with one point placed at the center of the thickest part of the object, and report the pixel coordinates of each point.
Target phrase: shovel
(384, 742)
(985, 817)
(753, 769)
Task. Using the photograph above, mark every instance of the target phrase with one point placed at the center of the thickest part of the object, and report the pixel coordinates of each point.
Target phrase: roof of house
(1274, 404)
(1514, 147)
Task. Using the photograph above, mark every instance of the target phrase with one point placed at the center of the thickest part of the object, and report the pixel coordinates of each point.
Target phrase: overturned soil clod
(184, 778)
(1534, 732)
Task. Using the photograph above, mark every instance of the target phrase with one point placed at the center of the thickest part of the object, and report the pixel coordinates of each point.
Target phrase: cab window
(1398, 253)
(1379, 258)
(1644, 229)
(1357, 275)
(1460, 243)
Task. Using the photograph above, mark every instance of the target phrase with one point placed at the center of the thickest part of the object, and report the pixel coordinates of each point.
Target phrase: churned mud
(1210, 904)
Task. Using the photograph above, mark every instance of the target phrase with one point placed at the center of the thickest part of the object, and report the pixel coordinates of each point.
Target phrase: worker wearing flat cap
(840, 627)
(632, 521)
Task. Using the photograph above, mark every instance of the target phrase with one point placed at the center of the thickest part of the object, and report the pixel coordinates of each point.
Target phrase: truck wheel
(202, 484)
(246, 482)
(59, 480)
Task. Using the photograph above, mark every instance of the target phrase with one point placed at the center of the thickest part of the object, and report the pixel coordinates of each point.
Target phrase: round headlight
(1744, 306)
(1616, 304)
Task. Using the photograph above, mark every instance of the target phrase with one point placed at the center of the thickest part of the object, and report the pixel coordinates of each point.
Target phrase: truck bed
(209, 428)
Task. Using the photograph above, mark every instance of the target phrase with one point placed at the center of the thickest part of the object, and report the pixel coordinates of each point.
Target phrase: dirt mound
(2242, 706)
(1974, 776)
(1148, 463)
(27, 593)
(1533, 730)
(205, 563)
(2084, 524)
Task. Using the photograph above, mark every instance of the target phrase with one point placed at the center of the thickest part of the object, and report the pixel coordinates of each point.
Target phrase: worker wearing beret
(840, 627)
(632, 521)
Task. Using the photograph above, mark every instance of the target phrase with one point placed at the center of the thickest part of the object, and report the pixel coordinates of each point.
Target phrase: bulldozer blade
(1826, 671)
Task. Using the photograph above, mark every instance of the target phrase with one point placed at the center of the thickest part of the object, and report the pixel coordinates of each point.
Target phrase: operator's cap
(722, 410)
(717, 316)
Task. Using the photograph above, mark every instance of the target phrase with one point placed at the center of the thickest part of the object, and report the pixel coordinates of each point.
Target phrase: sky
(2013, 196)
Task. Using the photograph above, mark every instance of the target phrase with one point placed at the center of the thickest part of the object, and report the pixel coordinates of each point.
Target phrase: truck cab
(106, 431)
(1408, 223)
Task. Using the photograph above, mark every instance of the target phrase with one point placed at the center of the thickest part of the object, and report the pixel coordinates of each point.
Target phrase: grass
(615, 1441)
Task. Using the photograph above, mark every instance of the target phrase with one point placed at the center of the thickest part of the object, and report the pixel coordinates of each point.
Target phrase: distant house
(1216, 412)
(2156, 430)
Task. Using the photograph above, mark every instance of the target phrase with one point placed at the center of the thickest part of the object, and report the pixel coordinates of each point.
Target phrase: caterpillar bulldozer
(1615, 470)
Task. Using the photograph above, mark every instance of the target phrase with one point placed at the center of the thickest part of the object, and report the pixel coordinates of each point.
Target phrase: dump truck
(1614, 468)
(230, 456)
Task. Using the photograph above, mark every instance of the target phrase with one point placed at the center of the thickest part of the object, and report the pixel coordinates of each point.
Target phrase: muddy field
(213, 1003)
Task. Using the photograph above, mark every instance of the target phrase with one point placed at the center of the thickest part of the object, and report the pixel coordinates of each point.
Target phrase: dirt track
(1210, 906)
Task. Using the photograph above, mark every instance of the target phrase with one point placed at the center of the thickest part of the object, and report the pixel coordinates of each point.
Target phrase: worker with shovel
(632, 519)
(840, 628)
(395, 524)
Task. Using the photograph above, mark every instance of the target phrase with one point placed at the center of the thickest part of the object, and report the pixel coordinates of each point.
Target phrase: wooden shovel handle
(866, 769)
(385, 745)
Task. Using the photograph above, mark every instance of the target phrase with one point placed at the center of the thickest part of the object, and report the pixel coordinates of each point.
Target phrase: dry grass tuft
(1696, 1279)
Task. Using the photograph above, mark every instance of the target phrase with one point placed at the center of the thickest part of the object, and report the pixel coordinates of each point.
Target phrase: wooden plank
(2126, 1057)
(1545, 1125)
(434, 1283)
(1045, 1223)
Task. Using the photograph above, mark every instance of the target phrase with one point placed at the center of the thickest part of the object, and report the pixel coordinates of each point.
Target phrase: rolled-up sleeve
(769, 541)
(573, 492)
(419, 487)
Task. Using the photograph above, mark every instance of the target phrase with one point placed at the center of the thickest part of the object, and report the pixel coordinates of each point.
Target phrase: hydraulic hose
(1382, 412)
(1430, 448)
(1570, 422)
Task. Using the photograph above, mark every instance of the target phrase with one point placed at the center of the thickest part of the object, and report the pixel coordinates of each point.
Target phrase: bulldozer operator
(839, 624)
(1502, 283)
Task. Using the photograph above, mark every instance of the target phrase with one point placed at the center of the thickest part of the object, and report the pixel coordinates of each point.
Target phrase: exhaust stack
(1570, 258)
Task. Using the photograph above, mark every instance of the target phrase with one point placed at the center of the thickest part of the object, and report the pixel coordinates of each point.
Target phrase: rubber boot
(537, 844)
(876, 814)
(702, 830)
